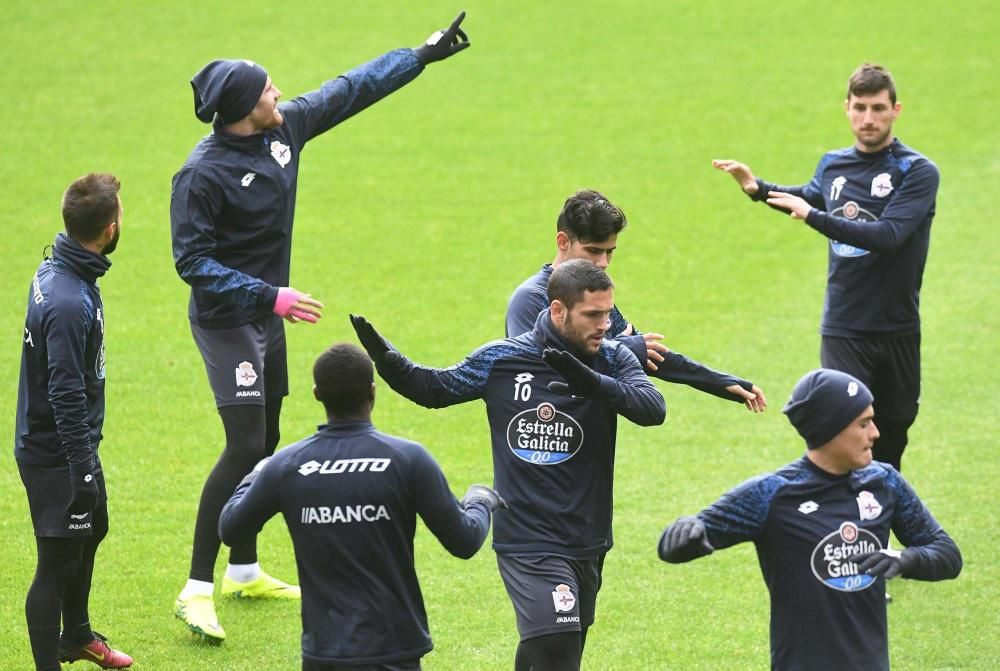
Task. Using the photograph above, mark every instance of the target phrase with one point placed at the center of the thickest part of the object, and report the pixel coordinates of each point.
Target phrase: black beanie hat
(823, 402)
(230, 88)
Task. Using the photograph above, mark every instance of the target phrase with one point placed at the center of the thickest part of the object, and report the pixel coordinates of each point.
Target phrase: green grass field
(424, 212)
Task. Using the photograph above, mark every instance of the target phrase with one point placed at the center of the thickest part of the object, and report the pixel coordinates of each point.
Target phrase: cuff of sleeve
(607, 387)
(815, 218)
(761, 194)
(268, 296)
(637, 345)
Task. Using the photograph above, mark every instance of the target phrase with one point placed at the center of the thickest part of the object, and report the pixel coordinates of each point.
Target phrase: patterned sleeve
(741, 513)
(194, 209)
(441, 387)
(938, 557)
(339, 99)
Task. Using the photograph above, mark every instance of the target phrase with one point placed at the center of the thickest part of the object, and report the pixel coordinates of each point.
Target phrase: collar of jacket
(250, 144)
(545, 335)
(346, 426)
(85, 263)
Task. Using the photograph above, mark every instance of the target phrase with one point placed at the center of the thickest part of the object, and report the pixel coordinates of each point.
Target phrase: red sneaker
(97, 651)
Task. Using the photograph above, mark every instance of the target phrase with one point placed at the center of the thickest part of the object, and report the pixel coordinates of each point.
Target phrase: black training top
(233, 201)
(807, 525)
(60, 392)
(553, 454)
(350, 496)
(876, 209)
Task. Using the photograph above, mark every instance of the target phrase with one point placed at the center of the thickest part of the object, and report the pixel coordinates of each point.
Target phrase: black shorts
(551, 594)
(246, 365)
(889, 366)
(49, 495)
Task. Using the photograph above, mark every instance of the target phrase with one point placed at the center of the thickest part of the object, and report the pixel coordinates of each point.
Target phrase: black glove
(888, 563)
(444, 43)
(485, 495)
(84, 487)
(580, 379)
(684, 540)
(374, 344)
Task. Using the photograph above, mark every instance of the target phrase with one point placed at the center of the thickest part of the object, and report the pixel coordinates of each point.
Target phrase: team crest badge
(245, 375)
(282, 153)
(882, 185)
(563, 599)
(868, 507)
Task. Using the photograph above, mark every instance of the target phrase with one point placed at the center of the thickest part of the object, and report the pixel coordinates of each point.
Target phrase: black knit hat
(823, 402)
(229, 88)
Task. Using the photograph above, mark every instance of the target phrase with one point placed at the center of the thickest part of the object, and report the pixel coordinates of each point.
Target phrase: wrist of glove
(580, 380)
(887, 563)
(444, 43)
(485, 495)
(684, 540)
(84, 490)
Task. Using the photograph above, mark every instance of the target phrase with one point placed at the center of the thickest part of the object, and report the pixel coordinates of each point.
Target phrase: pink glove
(293, 305)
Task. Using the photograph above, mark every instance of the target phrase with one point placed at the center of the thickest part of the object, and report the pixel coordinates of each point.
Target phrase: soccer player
(875, 202)
(587, 228)
(231, 213)
(552, 397)
(60, 415)
(821, 528)
(350, 496)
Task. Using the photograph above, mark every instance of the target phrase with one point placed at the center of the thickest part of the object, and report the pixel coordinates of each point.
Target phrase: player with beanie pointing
(231, 213)
(821, 529)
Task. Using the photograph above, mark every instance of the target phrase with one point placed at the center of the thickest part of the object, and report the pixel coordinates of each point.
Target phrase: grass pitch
(424, 212)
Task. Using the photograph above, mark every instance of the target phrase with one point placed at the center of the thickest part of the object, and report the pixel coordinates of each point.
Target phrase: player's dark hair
(343, 376)
(869, 79)
(571, 278)
(588, 216)
(89, 205)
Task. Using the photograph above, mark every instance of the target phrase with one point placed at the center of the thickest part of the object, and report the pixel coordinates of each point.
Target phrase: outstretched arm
(677, 368)
(429, 387)
(759, 190)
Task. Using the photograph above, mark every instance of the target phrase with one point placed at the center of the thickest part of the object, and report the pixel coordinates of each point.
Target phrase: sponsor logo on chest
(543, 435)
(833, 558)
(281, 153)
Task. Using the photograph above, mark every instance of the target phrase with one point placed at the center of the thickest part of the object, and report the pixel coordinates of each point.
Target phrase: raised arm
(339, 99)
